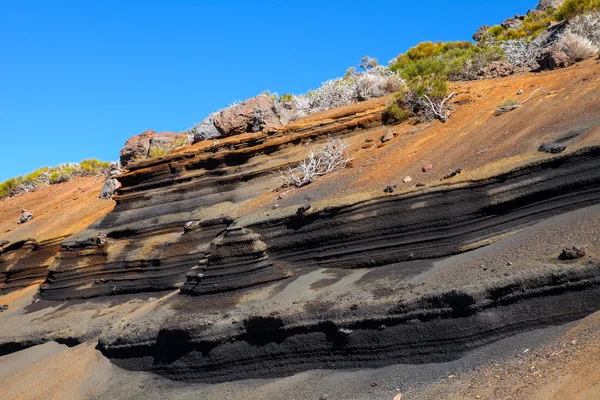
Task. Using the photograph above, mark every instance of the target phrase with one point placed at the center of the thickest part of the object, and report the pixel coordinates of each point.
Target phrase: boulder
(553, 58)
(251, 115)
(496, 69)
(165, 142)
(26, 216)
(287, 112)
(572, 253)
(111, 184)
(140, 147)
(546, 4)
(205, 129)
(477, 36)
(512, 23)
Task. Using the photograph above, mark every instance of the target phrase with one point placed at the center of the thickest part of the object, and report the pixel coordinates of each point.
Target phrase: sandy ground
(58, 210)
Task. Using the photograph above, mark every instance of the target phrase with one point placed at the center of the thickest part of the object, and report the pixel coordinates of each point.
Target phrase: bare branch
(331, 157)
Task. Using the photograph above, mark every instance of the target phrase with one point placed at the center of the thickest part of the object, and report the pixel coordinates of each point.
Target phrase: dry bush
(377, 81)
(328, 158)
(587, 26)
(577, 47)
(521, 52)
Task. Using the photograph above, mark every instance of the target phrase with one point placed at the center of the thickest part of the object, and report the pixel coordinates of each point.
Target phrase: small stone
(452, 173)
(373, 384)
(390, 189)
(389, 135)
(407, 179)
(302, 210)
(26, 216)
(551, 148)
(572, 253)
(451, 376)
(324, 397)
(520, 92)
(427, 167)
(420, 185)
(369, 140)
(573, 342)
(398, 396)
(508, 264)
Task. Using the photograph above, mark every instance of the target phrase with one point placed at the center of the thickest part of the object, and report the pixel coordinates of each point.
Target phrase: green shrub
(157, 151)
(394, 114)
(452, 60)
(7, 187)
(532, 26)
(574, 7)
(286, 98)
(93, 166)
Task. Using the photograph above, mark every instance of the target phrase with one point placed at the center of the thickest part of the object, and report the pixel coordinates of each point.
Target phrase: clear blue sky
(77, 78)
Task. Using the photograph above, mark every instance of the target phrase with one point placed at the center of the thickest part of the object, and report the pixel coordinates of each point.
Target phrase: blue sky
(77, 78)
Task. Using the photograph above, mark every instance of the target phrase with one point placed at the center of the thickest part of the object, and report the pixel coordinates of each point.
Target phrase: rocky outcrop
(24, 262)
(513, 23)
(477, 36)
(236, 259)
(546, 4)
(437, 327)
(252, 115)
(150, 144)
(111, 184)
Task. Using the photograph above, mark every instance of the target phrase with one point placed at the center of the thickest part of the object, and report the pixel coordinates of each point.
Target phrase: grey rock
(287, 112)
(477, 36)
(546, 4)
(512, 23)
(111, 184)
(552, 148)
(26, 216)
(206, 129)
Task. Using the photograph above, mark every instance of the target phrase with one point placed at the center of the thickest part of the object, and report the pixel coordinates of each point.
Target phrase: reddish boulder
(150, 143)
(252, 115)
(553, 58)
(496, 69)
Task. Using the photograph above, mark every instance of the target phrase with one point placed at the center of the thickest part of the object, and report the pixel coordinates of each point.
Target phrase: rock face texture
(236, 259)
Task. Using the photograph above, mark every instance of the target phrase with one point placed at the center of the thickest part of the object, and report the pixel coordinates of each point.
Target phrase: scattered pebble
(427, 167)
(452, 174)
(390, 189)
(407, 179)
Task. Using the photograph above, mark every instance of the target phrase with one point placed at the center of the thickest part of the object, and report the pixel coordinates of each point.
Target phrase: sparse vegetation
(521, 53)
(375, 81)
(326, 159)
(50, 176)
(577, 47)
(533, 24)
(571, 8)
(511, 104)
(587, 26)
(452, 61)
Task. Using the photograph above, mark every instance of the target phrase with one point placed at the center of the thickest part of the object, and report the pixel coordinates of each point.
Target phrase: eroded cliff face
(341, 273)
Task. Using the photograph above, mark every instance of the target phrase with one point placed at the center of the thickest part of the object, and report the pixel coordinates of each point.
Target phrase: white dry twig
(332, 156)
